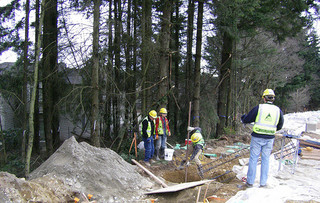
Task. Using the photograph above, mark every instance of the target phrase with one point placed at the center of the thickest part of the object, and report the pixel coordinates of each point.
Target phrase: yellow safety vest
(267, 119)
(160, 127)
(149, 127)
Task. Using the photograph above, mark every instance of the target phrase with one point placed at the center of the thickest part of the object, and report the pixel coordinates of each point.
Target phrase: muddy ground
(220, 190)
(76, 170)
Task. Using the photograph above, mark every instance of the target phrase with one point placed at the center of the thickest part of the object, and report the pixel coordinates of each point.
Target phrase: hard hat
(163, 110)
(153, 114)
(196, 137)
(268, 92)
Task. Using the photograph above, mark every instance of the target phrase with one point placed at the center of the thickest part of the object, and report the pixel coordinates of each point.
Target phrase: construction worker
(198, 145)
(267, 118)
(162, 131)
(147, 133)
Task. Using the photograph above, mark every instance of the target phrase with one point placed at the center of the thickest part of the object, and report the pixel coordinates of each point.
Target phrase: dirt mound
(45, 189)
(73, 169)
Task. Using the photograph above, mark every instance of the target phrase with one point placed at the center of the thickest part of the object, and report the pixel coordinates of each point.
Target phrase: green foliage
(229, 130)
(128, 157)
(308, 76)
(12, 141)
(9, 32)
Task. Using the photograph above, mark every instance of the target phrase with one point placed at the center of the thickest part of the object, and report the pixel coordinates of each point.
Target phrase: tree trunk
(109, 98)
(134, 63)
(146, 46)
(117, 67)
(164, 53)
(197, 71)
(224, 81)
(25, 80)
(36, 108)
(49, 71)
(33, 96)
(189, 60)
(95, 139)
(176, 62)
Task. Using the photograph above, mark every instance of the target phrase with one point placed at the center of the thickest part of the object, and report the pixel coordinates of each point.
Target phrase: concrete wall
(68, 128)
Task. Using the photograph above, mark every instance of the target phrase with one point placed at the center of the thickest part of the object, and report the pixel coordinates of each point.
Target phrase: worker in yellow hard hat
(162, 131)
(198, 145)
(267, 118)
(147, 133)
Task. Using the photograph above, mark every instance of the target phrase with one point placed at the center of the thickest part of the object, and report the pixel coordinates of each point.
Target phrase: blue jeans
(149, 148)
(257, 146)
(161, 142)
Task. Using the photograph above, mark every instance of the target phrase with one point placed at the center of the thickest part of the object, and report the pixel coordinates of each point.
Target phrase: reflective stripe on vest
(149, 127)
(267, 119)
(160, 127)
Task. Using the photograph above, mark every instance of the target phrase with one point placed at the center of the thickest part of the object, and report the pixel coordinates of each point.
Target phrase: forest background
(133, 56)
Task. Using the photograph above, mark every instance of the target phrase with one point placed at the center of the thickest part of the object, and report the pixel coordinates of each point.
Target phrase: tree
(49, 73)
(146, 49)
(282, 19)
(164, 52)
(197, 71)
(94, 121)
(33, 95)
(25, 80)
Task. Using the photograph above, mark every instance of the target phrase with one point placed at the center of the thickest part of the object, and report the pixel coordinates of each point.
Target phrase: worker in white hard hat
(267, 119)
(198, 145)
(162, 131)
(147, 133)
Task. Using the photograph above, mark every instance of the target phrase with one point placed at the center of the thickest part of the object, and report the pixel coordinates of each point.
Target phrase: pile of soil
(77, 168)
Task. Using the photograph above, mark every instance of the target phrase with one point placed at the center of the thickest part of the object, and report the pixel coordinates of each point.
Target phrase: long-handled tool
(186, 168)
(135, 144)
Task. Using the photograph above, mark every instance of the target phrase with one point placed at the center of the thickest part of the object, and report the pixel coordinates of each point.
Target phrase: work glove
(157, 137)
(188, 163)
(190, 128)
(169, 133)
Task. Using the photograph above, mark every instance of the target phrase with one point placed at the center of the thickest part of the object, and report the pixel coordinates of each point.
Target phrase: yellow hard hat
(268, 92)
(196, 137)
(153, 114)
(163, 110)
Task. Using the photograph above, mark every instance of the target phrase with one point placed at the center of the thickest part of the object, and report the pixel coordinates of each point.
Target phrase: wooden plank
(151, 174)
(311, 157)
(179, 187)
(312, 152)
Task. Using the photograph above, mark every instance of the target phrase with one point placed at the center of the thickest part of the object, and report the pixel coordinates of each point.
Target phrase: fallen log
(151, 174)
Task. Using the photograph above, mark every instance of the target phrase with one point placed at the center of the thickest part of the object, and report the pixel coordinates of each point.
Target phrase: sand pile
(79, 168)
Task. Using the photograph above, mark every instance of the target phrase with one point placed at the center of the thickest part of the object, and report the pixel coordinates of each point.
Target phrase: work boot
(162, 153)
(147, 163)
(248, 185)
(157, 154)
(152, 161)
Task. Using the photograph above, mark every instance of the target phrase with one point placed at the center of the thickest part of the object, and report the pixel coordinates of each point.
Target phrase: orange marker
(89, 196)
(76, 200)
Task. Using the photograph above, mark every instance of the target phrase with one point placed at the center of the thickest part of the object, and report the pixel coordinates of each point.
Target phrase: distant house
(68, 127)
(6, 112)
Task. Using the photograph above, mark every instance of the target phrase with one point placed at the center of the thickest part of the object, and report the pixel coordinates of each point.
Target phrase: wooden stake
(186, 168)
